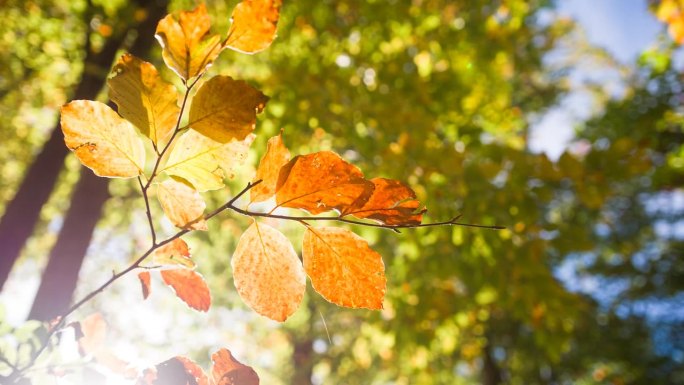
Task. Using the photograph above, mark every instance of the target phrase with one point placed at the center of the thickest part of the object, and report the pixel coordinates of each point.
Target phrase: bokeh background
(561, 120)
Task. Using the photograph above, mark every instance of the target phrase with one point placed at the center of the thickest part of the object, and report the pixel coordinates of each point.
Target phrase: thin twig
(143, 190)
(450, 222)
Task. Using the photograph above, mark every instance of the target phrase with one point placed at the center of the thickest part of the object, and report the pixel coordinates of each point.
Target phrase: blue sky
(624, 28)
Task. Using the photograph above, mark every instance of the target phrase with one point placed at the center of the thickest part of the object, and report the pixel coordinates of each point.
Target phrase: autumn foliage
(144, 139)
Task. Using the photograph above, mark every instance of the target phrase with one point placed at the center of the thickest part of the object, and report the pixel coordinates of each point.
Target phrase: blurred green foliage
(438, 93)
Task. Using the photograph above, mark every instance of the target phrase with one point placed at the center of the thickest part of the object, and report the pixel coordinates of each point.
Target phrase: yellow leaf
(188, 48)
(182, 204)
(146, 100)
(102, 140)
(203, 162)
(268, 273)
(254, 25)
(225, 109)
(343, 268)
(175, 253)
(273, 160)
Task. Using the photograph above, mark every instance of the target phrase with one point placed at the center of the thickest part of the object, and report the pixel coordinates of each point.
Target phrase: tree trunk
(22, 212)
(66, 258)
(491, 373)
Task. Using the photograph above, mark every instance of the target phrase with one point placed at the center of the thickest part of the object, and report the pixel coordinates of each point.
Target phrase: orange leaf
(144, 278)
(188, 48)
(173, 253)
(144, 98)
(94, 334)
(320, 182)
(343, 268)
(182, 204)
(229, 371)
(273, 160)
(189, 287)
(268, 273)
(178, 370)
(254, 25)
(225, 109)
(392, 203)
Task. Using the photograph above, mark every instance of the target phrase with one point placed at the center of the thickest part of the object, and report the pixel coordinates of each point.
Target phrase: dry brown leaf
(320, 182)
(188, 47)
(102, 140)
(392, 203)
(182, 204)
(224, 109)
(145, 283)
(229, 371)
(343, 268)
(273, 160)
(254, 25)
(189, 287)
(144, 98)
(174, 253)
(268, 273)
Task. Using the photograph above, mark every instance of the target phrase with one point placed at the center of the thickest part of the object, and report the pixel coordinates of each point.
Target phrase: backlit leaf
(254, 25)
(93, 343)
(273, 160)
(268, 273)
(320, 182)
(392, 203)
(229, 371)
(174, 253)
(178, 370)
(189, 287)
(145, 283)
(224, 109)
(143, 98)
(182, 204)
(203, 162)
(343, 268)
(102, 140)
(188, 47)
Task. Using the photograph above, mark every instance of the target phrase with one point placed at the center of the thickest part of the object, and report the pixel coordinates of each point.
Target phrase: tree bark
(66, 258)
(22, 212)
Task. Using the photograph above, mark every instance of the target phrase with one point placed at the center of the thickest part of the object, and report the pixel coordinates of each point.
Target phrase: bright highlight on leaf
(102, 140)
(182, 205)
(145, 283)
(174, 253)
(268, 273)
(143, 98)
(320, 182)
(203, 162)
(276, 156)
(188, 47)
(189, 287)
(254, 25)
(229, 371)
(225, 109)
(392, 203)
(343, 268)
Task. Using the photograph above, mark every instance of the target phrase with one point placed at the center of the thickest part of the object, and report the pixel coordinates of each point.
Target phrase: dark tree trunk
(491, 373)
(66, 258)
(21, 213)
